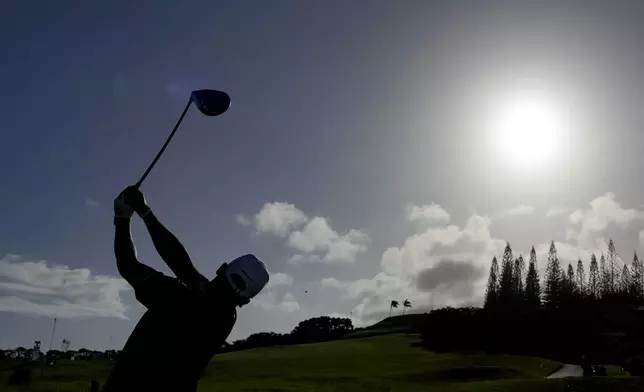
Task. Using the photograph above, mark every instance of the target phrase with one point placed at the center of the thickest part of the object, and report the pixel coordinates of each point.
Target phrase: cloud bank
(39, 289)
(445, 264)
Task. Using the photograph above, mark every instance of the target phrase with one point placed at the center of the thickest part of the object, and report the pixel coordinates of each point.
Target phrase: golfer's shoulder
(160, 279)
(222, 322)
(222, 315)
(171, 288)
(229, 313)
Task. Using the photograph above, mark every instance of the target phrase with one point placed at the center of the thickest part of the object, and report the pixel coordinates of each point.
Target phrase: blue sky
(356, 153)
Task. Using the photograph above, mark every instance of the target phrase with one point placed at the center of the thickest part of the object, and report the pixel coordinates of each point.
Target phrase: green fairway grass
(375, 364)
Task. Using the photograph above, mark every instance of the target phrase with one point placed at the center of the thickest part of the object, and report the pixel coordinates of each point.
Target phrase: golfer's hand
(135, 198)
(121, 208)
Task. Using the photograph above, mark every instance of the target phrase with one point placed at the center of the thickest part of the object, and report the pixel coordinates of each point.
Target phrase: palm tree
(394, 304)
(406, 304)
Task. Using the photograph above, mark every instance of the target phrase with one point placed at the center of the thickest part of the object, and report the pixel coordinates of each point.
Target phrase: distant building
(36, 355)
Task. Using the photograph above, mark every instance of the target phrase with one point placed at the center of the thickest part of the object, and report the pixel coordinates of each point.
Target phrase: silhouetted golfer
(188, 317)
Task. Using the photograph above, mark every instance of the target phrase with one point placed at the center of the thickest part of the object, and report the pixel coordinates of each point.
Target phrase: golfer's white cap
(247, 275)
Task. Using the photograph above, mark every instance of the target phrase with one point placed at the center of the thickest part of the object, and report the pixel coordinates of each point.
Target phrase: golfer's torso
(171, 348)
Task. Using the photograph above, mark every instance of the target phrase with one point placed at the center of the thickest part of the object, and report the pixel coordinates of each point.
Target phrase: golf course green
(374, 364)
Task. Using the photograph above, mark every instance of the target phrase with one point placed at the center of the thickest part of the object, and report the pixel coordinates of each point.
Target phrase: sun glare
(527, 131)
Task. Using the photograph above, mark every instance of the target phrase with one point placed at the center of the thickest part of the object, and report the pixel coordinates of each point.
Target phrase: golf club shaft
(167, 141)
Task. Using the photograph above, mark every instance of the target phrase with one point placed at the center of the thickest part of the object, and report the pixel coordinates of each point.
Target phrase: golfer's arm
(130, 268)
(173, 252)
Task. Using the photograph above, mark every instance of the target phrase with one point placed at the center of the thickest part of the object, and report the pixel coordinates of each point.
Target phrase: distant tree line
(316, 329)
(571, 312)
(24, 354)
(510, 287)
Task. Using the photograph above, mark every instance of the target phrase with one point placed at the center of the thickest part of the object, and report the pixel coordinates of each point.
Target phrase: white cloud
(242, 220)
(279, 218)
(315, 240)
(23, 288)
(380, 284)
(299, 258)
(273, 296)
(428, 213)
(33, 287)
(271, 300)
(345, 248)
(556, 211)
(91, 203)
(338, 315)
(520, 210)
(289, 304)
(279, 279)
(423, 250)
(318, 237)
(576, 217)
(571, 235)
(603, 211)
(333, 283)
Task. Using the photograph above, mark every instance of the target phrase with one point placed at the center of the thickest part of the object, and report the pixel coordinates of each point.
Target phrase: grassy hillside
(383, 363)
(394, 324)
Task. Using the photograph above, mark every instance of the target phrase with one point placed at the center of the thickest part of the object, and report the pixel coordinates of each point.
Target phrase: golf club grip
(167, 141)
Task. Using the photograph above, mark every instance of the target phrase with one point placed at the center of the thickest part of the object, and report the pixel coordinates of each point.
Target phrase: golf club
(209, 102)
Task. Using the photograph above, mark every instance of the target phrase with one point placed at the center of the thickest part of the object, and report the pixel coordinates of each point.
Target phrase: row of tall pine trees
(513, 285)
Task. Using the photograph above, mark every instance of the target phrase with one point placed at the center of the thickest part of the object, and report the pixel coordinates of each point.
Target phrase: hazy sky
(360, 158)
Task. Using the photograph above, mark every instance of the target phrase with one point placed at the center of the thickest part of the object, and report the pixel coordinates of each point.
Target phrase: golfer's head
(241, 279)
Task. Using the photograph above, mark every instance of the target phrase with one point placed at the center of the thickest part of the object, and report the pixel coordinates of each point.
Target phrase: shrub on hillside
(317, 329)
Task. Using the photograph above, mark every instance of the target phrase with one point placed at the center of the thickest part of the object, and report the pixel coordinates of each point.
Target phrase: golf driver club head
(210, 102)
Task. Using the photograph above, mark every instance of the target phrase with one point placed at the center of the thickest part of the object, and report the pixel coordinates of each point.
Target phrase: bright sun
(527, 130)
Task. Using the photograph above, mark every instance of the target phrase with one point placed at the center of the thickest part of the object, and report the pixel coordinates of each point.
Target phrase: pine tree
(625, 283)
(605, 277)
(506, 289)
(594, 279)
(580, 280)
(532, 285)
(492, 292)
(554, 278)
(519, 273)
(612, 263)
(637, 278)
(568, 285)
(570, 275)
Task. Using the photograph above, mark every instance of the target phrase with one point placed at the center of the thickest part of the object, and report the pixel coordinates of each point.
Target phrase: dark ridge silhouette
(318, 329)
